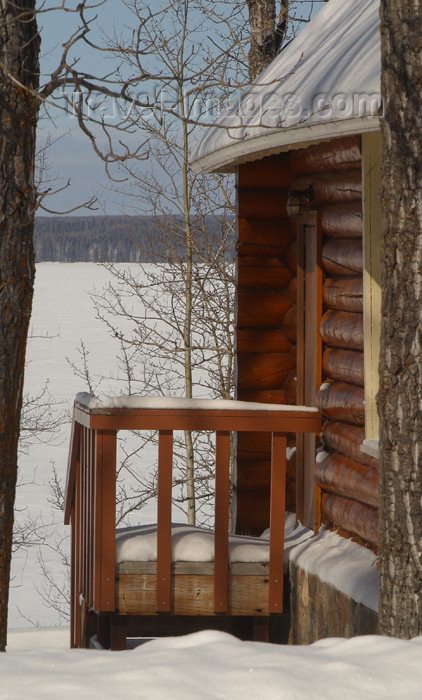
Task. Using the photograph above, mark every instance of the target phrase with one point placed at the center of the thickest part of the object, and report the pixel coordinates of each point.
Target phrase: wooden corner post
(105, 521)
(309, 353)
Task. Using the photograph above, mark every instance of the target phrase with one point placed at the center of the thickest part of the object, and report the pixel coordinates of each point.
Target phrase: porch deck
(105, 596)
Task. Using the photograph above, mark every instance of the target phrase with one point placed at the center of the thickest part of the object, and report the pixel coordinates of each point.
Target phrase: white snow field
(63, 311)
(210, 664)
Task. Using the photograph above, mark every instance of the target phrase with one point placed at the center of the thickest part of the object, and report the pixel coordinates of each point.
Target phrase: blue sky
(71, 155)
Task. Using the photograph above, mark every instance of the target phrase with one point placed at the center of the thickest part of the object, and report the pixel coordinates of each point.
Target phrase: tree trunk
(267, 33)
(400, 607)
(19, 47)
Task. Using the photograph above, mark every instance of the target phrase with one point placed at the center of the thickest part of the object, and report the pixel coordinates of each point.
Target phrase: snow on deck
(335, 560)
(342, 563)
(189, 543)
(163, 402)
(325, 82)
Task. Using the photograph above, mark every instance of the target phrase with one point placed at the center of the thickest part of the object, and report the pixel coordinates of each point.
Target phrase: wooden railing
(91, 490)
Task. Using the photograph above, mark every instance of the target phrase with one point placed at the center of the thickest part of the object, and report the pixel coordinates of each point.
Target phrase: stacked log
(342, 329)
(342, 401)
(342, 220)
(343, 365)
(338, 154)
(353, 516)
(342, 257)
(347, 439)
(345, 295)
(341, 475)
(332, 187)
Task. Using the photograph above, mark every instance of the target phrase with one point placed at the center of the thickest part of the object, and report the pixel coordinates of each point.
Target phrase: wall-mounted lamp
(298, 201)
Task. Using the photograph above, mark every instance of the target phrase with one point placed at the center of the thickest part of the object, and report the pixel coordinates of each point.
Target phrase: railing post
(277, 516)
(221, 526)
(96, 528)
(104, 521)
(76, 556)
(84, 512)
(79, 541)
(165, 459)
(91, 506)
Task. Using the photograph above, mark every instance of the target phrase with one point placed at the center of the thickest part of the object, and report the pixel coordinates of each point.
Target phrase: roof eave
(225, 160)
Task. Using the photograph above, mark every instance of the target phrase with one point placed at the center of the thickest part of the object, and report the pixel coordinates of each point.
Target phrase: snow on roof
(325, 83)
(167, 402)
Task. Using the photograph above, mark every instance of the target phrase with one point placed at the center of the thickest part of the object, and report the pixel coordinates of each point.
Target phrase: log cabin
(304, 144)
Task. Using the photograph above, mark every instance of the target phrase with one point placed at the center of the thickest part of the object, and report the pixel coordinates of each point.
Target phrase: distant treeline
(109, 238)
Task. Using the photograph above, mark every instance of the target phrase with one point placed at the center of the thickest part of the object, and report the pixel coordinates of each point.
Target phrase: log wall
(347, 478)
(267, 327)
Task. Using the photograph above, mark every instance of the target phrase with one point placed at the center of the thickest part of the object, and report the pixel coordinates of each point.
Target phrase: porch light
(298, 201)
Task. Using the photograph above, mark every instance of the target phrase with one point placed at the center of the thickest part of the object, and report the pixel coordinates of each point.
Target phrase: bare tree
(145, 309)
(41, 419)
(193, 271)
(400, 608)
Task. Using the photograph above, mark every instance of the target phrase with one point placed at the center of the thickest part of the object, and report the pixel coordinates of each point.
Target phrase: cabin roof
(324, 84)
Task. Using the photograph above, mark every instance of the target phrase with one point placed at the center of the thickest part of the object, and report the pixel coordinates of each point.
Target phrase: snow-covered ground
(208, 665)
